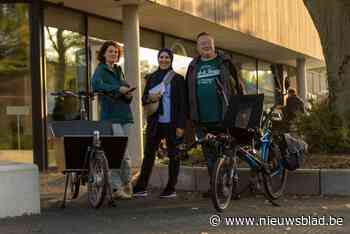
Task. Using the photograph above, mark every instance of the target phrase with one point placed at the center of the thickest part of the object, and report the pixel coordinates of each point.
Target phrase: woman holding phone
(166, 122)
(108, 77)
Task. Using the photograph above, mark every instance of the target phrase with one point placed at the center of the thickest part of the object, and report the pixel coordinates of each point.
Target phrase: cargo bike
(85, 153)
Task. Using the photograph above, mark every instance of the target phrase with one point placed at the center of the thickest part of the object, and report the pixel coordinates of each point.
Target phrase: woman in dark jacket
(167, 122)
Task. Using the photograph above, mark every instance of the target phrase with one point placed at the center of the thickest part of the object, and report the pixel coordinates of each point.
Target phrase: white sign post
(18, 111)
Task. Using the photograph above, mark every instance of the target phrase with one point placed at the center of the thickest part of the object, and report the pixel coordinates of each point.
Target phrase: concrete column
(131, 40)
(301, 79)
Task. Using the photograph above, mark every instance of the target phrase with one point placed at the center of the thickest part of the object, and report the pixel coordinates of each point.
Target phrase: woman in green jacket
(108, 77)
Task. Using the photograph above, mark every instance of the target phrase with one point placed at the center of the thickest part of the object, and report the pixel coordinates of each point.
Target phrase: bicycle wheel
(223, 183)
(98, 178)
(274, 176)
(74, 185)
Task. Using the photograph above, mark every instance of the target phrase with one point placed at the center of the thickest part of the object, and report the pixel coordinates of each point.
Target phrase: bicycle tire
(275, 168)
(222, 183)
(74, 185)
(98, 179)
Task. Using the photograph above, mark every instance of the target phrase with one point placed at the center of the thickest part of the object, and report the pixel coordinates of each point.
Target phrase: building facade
(48, 46)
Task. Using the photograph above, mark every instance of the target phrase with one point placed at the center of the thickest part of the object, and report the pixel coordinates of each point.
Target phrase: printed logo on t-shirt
(206, 74)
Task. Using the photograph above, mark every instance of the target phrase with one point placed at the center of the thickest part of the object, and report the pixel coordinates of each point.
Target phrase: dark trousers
(152, 144)
(209, 152)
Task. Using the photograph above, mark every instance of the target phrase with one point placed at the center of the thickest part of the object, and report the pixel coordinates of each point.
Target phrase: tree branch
(51, 39)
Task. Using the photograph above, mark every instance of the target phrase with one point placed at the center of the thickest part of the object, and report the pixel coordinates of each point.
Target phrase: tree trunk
(332, 21)
(61, 50)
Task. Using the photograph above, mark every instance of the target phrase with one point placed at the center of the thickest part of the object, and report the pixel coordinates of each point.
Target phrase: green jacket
(116, 111)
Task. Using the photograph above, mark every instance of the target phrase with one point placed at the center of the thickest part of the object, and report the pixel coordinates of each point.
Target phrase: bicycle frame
(257, 162)
(251, 158)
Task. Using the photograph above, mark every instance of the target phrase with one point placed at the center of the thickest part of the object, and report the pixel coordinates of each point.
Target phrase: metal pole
(18, 132)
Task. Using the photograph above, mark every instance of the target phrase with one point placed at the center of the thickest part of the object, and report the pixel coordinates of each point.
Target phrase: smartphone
(131, 90)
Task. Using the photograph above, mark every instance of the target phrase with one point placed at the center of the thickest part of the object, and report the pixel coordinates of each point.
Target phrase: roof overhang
(181, 24)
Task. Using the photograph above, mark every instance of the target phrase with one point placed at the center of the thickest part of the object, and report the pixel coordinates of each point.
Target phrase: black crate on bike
(80, 127)
(243, 116)
(71, 139)
(75, 148)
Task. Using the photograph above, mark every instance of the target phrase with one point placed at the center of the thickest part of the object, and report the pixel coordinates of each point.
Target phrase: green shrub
(324, 130)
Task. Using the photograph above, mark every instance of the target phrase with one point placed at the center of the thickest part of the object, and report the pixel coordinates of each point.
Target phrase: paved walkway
(189, 213)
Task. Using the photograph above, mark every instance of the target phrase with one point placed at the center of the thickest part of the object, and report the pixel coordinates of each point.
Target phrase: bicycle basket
(75, 148)
(73, 137)
(244, 114)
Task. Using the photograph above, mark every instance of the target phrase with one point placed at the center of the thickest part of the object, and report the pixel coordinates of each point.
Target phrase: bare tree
(332, 21)
(62, 41)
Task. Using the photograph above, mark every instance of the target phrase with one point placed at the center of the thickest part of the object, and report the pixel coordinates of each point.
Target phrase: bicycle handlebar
(66, 93)
(213, 139)
(81, 94)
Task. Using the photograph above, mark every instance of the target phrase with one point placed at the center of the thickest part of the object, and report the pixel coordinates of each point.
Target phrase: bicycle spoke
(97, 182)
(222, 184)
(276, 176)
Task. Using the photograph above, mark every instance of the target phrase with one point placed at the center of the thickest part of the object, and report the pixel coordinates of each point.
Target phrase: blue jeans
(122, 176)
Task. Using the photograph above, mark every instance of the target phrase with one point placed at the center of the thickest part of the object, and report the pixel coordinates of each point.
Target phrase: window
(184, 51)
(317, 83)
(247, 68)
(104, 29)
(266, 84)
(65, 64)
(64, 60)
(150, 39)
(289, 73)
(15, 84)
(181, 46)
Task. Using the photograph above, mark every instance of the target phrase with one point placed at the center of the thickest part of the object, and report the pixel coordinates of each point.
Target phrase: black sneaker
(139, 193)
(168, 194)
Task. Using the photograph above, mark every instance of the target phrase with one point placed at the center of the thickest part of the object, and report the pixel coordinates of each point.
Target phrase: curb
(299, 182)
(335, 181)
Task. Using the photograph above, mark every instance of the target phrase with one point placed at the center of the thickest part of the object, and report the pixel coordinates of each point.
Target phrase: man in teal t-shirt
(209, 103)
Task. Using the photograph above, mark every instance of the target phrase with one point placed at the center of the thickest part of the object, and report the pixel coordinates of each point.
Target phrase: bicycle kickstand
(63, 205)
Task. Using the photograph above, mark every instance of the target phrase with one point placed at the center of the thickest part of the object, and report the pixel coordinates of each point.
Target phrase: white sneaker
(120, 194)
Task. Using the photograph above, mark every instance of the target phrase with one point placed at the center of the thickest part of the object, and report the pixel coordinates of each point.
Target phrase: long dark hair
(103, 49)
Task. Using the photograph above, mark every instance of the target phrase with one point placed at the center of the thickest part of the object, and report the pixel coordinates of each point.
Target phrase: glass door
(65, 67)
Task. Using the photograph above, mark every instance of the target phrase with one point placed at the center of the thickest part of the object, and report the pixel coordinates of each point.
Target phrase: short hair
(292, 91)
(104, 47)
(204, 34)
